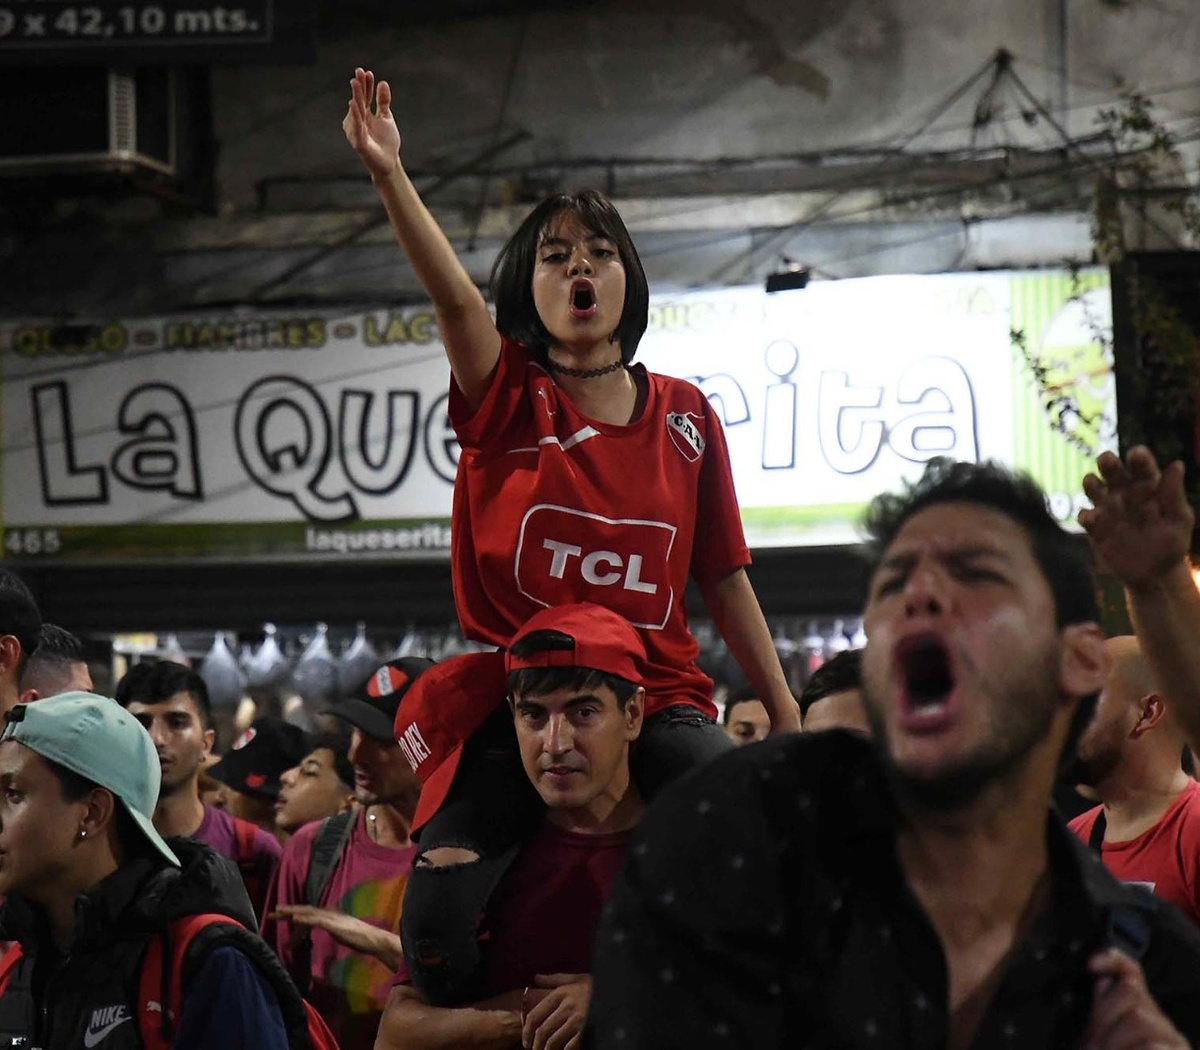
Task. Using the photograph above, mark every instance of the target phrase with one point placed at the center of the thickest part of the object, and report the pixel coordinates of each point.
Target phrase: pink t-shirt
(349, 989)
(1165, 857)
(217, 830)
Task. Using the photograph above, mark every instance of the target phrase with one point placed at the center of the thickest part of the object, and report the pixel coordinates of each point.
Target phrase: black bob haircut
(529, 682)
(1063, 558)
(512, 275)
(838, 674)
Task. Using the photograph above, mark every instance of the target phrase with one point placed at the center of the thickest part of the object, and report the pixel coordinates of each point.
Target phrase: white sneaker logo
(103, 1022)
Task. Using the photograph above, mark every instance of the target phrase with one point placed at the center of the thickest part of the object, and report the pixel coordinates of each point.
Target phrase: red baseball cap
(437, 715)
(604, 641)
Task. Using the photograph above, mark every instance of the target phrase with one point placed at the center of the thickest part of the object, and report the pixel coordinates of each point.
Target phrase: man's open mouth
(925, 666)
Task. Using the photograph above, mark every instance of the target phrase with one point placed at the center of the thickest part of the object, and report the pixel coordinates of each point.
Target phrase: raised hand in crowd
(1140, 527)
(369, 125)
(464, 322)
(1140, 523)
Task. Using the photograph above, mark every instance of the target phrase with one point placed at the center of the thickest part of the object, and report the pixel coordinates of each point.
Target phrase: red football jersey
(552, 507)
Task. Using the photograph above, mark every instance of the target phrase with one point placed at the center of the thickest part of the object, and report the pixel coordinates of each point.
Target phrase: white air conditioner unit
(98, 120)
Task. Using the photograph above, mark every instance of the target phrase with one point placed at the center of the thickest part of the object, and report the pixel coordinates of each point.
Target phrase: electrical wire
(510, 79)
(942, 107)
(257, 295)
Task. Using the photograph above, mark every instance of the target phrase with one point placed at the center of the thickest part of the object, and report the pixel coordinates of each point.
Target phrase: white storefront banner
(261, 434)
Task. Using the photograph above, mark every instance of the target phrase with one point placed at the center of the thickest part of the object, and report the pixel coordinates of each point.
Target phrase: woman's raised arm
(468, 332)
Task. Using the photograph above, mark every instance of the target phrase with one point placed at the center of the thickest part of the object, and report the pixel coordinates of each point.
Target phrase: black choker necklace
(584, 373)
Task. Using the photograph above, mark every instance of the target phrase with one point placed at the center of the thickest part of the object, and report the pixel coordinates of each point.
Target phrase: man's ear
(28, 696)
(635, 709)
(1084, 662)
(1150, 712)
(10, 654)
(210, 738)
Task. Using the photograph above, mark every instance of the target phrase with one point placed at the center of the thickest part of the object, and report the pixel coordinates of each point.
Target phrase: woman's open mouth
(583, 299)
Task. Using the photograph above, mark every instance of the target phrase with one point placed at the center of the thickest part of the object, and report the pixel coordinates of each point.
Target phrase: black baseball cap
(373, 709)
(260, 755)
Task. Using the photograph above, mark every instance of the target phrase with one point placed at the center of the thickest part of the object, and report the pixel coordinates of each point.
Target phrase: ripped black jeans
(492, 810)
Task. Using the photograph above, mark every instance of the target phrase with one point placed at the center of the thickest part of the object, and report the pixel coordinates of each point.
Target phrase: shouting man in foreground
(917, 890)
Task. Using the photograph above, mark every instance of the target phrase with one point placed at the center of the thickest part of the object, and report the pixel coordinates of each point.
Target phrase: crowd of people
(556, 843)
(892, 874)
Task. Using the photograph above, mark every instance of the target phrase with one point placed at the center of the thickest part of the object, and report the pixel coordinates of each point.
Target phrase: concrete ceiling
(731, 132)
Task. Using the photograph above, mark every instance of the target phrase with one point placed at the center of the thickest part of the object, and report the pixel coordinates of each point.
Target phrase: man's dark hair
(512, 275)
(130, 838)
(531, 682)
(836, 675)
(49, 667)
(155, 683)
(19, 615)
(1062, 558)
(337, 743)
(738, 696)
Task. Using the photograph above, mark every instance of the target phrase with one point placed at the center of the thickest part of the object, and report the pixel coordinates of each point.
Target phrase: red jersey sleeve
(496, 411)
(719, 547)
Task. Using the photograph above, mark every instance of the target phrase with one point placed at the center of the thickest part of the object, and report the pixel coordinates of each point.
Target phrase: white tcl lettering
(600, 568)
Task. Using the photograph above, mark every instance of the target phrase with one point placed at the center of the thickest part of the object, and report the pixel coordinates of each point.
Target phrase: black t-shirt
(763, 905)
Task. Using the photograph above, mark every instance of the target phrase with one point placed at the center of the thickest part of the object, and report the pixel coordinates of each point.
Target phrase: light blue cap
(98, 739)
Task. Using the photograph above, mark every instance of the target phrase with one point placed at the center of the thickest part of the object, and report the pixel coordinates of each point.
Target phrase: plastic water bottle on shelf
(814, 649)
(222, 676)
(858, 637)
(837, 642)
(357, 663)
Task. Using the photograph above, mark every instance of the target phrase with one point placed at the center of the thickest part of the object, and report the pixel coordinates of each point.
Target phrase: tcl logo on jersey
(684, 428)
(566, 555)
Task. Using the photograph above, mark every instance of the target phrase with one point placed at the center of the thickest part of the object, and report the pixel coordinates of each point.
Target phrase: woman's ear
(100, 812)
(1084, 662)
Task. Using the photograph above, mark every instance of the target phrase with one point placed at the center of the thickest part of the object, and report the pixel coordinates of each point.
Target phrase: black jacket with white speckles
(763, 905)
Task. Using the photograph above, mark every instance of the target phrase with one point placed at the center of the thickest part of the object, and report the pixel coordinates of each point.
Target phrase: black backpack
(327, 850)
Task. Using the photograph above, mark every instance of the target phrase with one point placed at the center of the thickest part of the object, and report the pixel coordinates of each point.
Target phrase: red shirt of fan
(1165, 858)
(551, 507)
